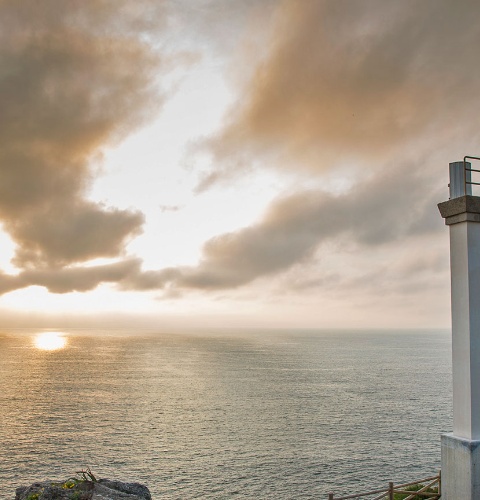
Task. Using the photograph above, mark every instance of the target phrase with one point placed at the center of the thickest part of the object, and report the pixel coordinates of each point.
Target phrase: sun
(50, 341)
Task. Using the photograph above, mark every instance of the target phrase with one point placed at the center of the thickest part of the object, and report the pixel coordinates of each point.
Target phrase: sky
(219, 163)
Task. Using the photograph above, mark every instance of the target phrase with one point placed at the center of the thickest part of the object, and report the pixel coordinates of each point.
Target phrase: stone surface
(456, 206)
(103, 489)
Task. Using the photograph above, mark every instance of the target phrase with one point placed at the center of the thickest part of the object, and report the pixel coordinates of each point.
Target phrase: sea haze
(258, 414)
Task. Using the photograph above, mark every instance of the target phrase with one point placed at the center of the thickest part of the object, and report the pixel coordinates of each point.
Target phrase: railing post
(439, 483)
(390, 491)
(330, 496)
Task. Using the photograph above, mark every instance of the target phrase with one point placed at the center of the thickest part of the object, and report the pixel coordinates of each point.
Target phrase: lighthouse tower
(461, 448)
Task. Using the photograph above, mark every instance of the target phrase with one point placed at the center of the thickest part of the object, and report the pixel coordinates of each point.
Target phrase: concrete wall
(460, 468)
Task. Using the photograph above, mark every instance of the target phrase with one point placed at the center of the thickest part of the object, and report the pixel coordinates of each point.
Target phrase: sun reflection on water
(50, 341)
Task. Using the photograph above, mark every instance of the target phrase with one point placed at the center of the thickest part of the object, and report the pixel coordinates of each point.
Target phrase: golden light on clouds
(50, 341)
(261, 157)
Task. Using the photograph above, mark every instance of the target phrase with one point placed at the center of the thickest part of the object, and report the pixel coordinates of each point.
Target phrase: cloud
(353, 83)
(336, 82)
(80, 279)
(73, 233)
(387, 89)
(74, 78)
(383, 209)
(170, 208)
(72, 279)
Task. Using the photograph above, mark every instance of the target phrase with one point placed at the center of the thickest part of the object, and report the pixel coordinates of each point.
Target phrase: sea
(220, 414)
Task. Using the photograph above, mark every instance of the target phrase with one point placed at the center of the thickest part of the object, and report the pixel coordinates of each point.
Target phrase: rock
(103, 489)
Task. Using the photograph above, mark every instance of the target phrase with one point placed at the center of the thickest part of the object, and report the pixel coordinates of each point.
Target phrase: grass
(86, 476)
(413, 488)
(83, 476)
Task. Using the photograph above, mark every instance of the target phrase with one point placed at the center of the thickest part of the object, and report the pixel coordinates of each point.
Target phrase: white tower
(461, 449)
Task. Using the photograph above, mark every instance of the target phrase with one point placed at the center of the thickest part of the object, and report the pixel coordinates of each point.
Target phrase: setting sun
(50, 341)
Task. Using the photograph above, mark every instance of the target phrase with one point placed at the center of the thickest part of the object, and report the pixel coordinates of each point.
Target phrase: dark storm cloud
(74, 77)
(384, 209)
(354, 81)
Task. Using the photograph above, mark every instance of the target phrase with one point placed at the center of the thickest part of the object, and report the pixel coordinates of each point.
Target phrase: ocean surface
(219, 415)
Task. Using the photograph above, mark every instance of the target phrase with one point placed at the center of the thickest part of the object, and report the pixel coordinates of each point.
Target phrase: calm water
(249, 415)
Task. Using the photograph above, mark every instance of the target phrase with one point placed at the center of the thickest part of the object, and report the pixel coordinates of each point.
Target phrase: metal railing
(467, 169)
(427, 487)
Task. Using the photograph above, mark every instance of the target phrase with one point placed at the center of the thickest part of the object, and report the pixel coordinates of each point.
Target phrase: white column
(465, 276)
(461, 449)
